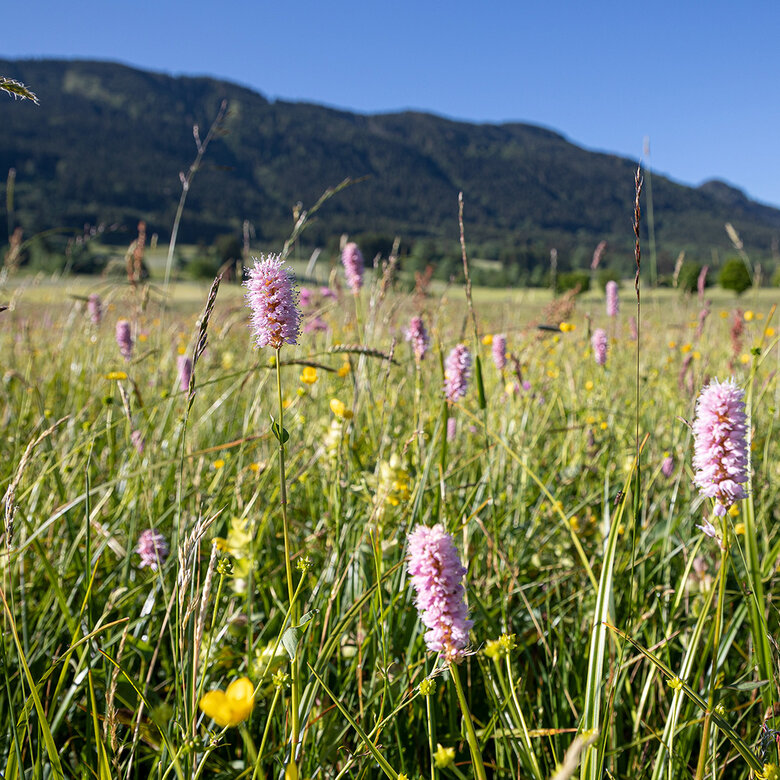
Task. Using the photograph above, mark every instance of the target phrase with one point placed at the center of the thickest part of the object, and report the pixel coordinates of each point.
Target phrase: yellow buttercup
(230, 707)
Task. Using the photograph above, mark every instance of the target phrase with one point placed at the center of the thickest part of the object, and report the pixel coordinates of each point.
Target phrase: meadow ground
(605, 622)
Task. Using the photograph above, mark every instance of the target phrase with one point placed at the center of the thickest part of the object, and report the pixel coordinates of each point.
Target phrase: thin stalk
(266, 730)
(295, 693)
(717, 632)
(471, 735)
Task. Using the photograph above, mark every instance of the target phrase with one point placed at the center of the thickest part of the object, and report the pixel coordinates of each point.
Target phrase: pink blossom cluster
(599, 343)
(352, 260)
(499, 351)
(273, 304)
(124, 339)
(720, 433)
(613, 304)
(417, 336)
(184, 366)
(457, 372)
(95, 308)
(436, 573)
(153, 549)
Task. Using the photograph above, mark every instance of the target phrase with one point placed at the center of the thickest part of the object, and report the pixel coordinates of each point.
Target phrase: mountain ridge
(108, 142)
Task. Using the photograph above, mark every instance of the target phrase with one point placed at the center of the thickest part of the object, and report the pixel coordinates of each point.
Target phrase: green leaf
(292, 635)
(282, 434)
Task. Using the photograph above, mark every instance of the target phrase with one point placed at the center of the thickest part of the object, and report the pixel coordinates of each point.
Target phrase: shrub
(735, 276)
(689, 276)
(569, 280)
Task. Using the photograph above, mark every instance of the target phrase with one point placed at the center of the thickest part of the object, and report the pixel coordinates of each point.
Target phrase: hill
(107, 143)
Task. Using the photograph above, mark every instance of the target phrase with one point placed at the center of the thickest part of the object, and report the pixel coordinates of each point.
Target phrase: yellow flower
(739, 529)
(748, 315)
(116, 375)
(724, 315)
(744, 358)
(685, 348)
(444, 757)
(672, 344)
(345, 369)
(309, 375)
(769, 332)
(339, 408)
(696, 354)
(286, 403)
(230, 707)
(227, 360)
(487, 339)
(734, 510)
(219, 463)
(567, 327)
(769, 772)
(182, 349)
(589, 385)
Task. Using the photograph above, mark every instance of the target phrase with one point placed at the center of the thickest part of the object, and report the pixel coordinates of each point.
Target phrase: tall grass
(590, 614)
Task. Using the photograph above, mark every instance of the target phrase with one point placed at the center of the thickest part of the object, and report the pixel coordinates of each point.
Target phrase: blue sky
(700, 80)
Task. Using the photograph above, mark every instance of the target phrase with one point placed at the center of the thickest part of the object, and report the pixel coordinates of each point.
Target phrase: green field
(598, 605)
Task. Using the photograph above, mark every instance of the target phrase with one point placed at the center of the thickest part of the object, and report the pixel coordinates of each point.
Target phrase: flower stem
(471, 735)
(717, 632)
(295, 693)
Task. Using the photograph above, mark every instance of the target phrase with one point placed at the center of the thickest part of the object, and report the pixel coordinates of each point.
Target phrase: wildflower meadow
(327, 527)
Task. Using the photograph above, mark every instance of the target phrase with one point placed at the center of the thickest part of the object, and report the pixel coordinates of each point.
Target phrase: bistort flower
(152, 548)
(184, 366)
(613, 303)
(599, 343)
(95, 308)
(273, 304)
(499, 351)
(124, 339)
(720, 433)
(436, 573)
(457, 372)
(417, 336)
(352, 259)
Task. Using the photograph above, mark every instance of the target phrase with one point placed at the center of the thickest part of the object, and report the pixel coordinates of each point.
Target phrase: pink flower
(152, 548)
(271, 298)
(123, 339)
(417, 335)
(599, 343)
(452, 428)
(499, 351)
(701, 282)
(457, 372)
(138, 441)
(326, 292)
(436, 573)
(352, 259)
(95, 308)
(184, 366)
(315, 324)
(305, 296)
(720, 432)
(613, 305)
(667, 465)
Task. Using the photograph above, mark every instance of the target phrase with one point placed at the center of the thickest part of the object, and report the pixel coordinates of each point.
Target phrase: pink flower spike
(613, 303)
(152, 548)
(273, 304)
(436, 573)
(499, 351)
(417, 335)
(184, 366)
(721, 449)
(599, 343)
(352, 259)
(123, 339)
(457, 372)
(95, 308)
